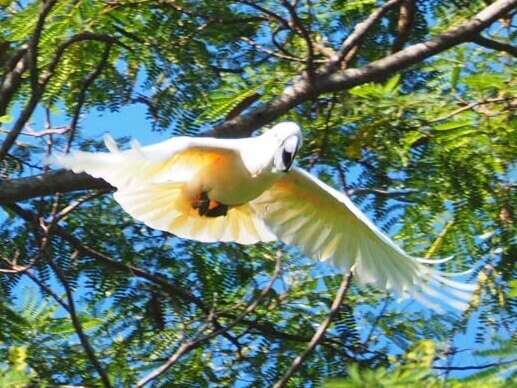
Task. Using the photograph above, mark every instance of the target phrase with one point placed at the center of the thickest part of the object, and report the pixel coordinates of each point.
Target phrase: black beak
(287, 159)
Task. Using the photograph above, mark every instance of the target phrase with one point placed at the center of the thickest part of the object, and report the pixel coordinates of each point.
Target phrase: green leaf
(393, 83)
(454, 124)
(513, 289)
(6, 119)
(455, 76)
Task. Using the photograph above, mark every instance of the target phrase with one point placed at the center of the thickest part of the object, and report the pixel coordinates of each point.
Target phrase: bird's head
(288, 138)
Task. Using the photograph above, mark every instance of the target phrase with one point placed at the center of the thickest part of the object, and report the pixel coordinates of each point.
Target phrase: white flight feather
(352, 240)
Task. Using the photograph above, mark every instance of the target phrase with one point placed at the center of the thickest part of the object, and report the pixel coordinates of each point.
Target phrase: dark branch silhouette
(320, 332)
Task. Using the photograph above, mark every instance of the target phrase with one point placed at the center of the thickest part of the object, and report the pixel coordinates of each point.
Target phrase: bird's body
(246, 191)
(227, 179)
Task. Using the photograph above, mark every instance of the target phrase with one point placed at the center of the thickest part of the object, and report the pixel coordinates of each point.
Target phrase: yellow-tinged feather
(325, 224)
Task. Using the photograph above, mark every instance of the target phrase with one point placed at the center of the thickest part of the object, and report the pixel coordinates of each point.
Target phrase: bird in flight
(247, 191)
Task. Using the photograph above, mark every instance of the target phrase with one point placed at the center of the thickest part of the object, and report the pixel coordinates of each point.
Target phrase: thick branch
(13, 79)
(60, 181)
(405, 24)
(301, 91)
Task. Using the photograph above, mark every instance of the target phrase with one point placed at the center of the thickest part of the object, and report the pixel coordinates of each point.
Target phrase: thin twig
(380, 192)
(83, 338)
(209, 18)
(58, 216)
(80, 37)
(271, 52)
(320, 333)
(495, 45)
(376, 322)
(44, 80)
(474, 367)
(43, 232)
(281, 46)
(89, 80)
(34, 42)
(472, 106)
(305, 35)
(360, 31)
(190, 345)
(44, 242)
(47, 290)
(271, 15)
(174, 290)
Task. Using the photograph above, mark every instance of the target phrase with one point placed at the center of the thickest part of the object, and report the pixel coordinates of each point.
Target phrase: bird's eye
(287, 159)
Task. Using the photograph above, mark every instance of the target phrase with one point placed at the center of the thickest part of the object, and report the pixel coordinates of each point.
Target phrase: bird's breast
(229, 182)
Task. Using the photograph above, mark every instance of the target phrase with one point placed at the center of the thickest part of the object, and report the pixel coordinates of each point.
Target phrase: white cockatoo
(246, 191)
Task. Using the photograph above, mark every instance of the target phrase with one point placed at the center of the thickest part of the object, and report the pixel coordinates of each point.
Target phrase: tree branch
(270, 14)
(34, 42)
(474, 367)
(376, 321)
(305, 35)
(360, 32)
(12, 80)
(47, 290)
(381, 192)
(174, 290)
(83, 338)
(331, 81)
(190, 345)
(38, 92)
(495, 45)
(259, 47)
(405, 24)
(60, 181)
(320, 333)
(472, 105)
(90, 79)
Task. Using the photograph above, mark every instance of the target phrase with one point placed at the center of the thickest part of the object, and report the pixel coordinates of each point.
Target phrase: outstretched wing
(325, 224)
(151, 182)
(175, 160)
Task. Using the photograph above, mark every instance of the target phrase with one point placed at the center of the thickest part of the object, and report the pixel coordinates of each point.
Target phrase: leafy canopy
(428, 152)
